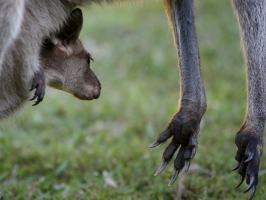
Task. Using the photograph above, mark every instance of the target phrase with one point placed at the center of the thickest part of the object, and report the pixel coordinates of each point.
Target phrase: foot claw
(161, 168)
(174, 177)
(252, 193)
(251, 184)
(242, 178)
(155, 144)
(236, 167)
(193, 152)
(184, 131)
(187, 165)
(36, 103)
(34, 97)
(250, 157)
(249, 144)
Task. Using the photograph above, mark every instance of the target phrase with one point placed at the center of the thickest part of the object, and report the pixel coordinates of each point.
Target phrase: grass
(69, 149)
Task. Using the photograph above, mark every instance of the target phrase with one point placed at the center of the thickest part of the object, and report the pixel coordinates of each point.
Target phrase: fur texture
(251, 15)
(43, 17)
(11, 16)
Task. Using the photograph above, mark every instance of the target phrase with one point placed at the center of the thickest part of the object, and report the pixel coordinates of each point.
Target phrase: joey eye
(89, 60)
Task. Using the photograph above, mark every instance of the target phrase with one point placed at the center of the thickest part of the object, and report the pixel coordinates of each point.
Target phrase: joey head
(66, 64)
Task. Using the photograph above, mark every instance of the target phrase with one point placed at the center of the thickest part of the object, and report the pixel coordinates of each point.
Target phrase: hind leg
(184, 126)
(249, 139)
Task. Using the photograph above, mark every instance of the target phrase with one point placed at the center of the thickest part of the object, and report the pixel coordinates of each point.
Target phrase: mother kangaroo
(35, 20)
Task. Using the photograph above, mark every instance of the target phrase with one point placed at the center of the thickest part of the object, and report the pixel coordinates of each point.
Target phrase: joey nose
(96, 93)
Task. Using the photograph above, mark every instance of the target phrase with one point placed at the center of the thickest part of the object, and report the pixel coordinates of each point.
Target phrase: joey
(66, 64)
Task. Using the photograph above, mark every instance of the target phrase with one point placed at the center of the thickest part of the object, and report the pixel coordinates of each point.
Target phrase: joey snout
(88, 89)
(79, 80)
(96, 92)
(89, 93)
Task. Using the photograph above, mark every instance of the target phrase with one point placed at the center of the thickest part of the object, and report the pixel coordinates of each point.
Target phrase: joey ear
(71, 28)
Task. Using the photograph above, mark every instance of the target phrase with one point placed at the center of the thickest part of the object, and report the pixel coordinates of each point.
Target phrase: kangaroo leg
(251, 15)
(185, 124)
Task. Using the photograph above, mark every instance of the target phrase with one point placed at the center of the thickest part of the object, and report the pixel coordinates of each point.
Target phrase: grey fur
(36, 20)
(251, 15)
(21, 59)
(182, 20)
(249, 140)
(11, 16)
(43, 17)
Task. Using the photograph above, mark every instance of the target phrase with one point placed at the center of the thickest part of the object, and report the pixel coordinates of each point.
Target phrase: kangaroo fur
(35, 20)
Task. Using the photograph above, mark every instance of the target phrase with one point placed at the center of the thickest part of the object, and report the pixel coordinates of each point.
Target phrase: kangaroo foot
(250, 146)
(184, 130)
(39, 85)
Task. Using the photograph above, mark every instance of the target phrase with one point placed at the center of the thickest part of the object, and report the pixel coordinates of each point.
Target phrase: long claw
(236, 167)
(37, 102)
(242, 177)
(193, 152)
(155, 144)
(187, 165)
(34, 97)
(252, 193)
(250, 157)
(174, 177)
(252, 181)
(161, 168)
(34, 85)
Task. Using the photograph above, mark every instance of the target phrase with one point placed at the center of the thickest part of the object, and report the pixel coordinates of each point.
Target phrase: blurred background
(65, 148)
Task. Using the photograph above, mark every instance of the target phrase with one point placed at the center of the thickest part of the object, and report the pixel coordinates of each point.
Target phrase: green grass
(66, 149)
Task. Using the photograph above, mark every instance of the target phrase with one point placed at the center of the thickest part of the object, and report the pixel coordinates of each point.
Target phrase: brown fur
(64, 61)
(45, 16)
(70, 72)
